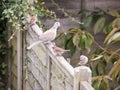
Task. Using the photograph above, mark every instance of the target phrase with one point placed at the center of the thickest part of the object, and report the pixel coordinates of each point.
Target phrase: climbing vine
(17, 13)
(14, 14)
(3, 51)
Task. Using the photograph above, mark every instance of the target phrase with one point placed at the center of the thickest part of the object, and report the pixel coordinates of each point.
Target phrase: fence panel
(45, 71)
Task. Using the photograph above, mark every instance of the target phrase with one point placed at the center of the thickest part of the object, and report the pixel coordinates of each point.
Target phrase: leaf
(76, 38)
(107, 28)
(73, 30)
(4, 65)
(87, 21)
(113, 13)
(100, 83)
(115, 69)
(70, 46)
(97, 58)
(110, 34)
(99, 25)
(81, 44)
(83, 11)
(112, 55)
(88, 41)
(116, 23)
(114, 38)
(104, 84)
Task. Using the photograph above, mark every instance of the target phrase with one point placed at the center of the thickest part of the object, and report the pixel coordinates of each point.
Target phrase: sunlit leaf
(97, 58)
(115, 69)
(112, 55)
(88, 41)
(104, 84)
(110, 34)
(114, 38)
(76, 38)
(97, 83)
(116, 23)
(113, 12)
(107, 28)
(73, 30)
(99, 25)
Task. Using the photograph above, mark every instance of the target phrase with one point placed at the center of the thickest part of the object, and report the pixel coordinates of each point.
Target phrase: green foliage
(3, 50)
(17, 12)
(78, 39)
(87, 21)
(102, 57)
(99, 25)
(110, 58)
(69, 45)
(13, 13)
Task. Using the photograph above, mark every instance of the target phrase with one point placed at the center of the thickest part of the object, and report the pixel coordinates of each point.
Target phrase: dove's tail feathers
(34, 44)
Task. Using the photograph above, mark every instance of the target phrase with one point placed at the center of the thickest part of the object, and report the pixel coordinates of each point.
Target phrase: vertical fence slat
(19, 71)
(76, 79)
(48, 74)
(84, 85)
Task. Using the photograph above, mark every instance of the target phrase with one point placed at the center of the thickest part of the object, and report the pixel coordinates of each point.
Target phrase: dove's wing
(48, 36)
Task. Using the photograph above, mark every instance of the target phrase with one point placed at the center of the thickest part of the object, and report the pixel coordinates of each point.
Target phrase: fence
(45, 71)
(37, 68)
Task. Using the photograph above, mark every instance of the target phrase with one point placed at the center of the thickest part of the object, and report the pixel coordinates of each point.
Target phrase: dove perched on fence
(83, 60)
(47, 36)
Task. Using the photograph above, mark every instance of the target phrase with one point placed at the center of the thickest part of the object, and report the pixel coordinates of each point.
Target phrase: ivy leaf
(99, 25)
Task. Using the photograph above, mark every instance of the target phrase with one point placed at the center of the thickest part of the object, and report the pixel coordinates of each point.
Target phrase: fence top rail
(60, 61)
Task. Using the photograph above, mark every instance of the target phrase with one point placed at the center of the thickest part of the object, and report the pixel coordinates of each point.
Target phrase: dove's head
(57, 24)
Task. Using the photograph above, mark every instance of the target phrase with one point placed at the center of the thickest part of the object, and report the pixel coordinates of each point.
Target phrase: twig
(99, 45)
(11, 37)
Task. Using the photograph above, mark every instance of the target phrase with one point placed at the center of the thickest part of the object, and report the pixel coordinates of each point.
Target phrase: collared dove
(47, 36)
(83, 60)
